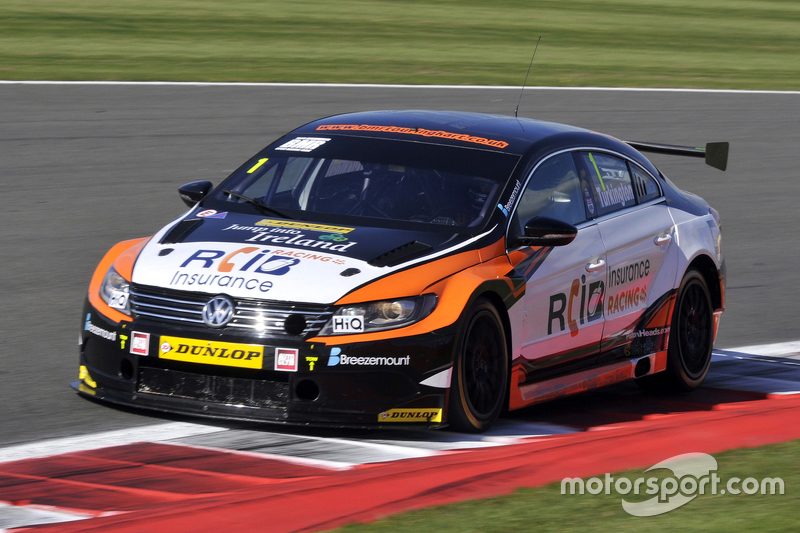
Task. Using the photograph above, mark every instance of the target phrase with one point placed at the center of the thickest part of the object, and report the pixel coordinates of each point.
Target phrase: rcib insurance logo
(242, 268)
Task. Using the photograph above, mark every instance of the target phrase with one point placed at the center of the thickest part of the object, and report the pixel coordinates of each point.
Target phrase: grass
(673, 43)
(545, 509)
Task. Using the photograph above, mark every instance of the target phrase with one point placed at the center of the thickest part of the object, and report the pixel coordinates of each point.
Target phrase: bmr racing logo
(232, 268)
(411, 415)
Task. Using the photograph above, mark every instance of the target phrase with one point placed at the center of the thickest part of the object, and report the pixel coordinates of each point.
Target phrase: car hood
(251, 256)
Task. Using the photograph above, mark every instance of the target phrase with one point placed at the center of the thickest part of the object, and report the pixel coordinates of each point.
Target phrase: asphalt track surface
(83, 167)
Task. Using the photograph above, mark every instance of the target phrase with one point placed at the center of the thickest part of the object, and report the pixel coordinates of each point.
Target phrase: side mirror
(194, 191)
(543, 231)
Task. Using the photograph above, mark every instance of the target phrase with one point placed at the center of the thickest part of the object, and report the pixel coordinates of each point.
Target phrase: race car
(412, 268)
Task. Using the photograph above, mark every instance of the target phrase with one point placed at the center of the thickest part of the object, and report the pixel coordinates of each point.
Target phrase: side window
(610, 180)
(644, 184)
(554, 192)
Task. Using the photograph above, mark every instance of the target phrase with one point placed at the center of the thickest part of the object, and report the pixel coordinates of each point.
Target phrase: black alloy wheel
(691, 339)
(480, 386)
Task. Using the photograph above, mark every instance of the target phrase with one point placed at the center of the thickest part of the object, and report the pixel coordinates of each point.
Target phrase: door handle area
(663, 239)
(595, 265)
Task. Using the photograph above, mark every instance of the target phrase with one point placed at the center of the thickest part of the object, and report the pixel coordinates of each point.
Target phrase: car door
(636, 229)
(563, 303)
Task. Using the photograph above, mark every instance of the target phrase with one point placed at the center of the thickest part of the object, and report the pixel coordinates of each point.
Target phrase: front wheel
(691, 339)
(480, 375)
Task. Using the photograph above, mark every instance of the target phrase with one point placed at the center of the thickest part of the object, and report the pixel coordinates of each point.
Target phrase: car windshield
(384, 181)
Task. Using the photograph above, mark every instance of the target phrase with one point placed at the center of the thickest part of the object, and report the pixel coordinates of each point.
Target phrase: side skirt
(589, 379)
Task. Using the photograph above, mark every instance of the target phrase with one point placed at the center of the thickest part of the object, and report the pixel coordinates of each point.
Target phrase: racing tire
(691, 339)
(480, 376)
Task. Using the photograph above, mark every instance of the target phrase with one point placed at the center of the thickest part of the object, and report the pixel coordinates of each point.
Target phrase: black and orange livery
(410, 268)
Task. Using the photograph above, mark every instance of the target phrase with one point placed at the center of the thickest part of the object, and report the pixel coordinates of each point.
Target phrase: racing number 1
(258, 165)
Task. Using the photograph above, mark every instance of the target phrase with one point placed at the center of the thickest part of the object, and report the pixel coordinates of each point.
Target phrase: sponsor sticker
(335, 237)
(411, 415)
(211, 352)
(237, 269)
(118, 299)
(98, 331)
(348, 324)
(336, 357)
(510, 203)
(311, 256)
(211, 213)
(140, 343)
(286, 359)
(294, 237)
(85, 377)
(303, 144)
(322, 228)
(463, 137)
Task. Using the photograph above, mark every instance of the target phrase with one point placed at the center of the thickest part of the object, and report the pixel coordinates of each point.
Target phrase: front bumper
(321, 392)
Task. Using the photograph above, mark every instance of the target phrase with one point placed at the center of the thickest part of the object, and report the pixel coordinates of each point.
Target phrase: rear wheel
(691, 338)
(480, 375)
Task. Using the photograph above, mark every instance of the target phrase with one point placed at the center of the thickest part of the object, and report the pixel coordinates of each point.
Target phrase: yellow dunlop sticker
(211, 352)
(303, 225)
(411, 415)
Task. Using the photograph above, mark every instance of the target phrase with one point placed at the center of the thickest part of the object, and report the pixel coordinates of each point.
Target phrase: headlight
(115, 291)
(376, 316)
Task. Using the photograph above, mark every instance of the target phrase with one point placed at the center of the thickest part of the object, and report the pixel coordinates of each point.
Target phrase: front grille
(264, 318)
(214, 389)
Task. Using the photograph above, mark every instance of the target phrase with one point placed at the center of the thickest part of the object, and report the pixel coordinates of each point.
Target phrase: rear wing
(715, 154)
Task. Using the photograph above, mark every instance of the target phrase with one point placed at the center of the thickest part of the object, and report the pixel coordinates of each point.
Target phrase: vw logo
(218, 311)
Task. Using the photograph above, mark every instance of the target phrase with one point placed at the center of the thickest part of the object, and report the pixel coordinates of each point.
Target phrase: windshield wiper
(252, 201)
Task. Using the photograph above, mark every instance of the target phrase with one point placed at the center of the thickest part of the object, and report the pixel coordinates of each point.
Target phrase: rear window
(644, 184)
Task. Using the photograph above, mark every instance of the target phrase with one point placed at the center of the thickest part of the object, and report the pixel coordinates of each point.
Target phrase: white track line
(105, 439)
(17, 516)
(302, 461)
(391, 86)
(772, 350)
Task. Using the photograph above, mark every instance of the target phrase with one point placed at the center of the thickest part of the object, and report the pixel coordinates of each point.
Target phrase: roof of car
(473, 130)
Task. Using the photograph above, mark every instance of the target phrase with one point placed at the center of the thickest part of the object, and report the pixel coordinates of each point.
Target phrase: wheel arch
(497, 301)
(706, 267)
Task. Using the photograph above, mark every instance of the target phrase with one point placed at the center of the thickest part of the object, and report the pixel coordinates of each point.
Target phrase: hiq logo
(247, 259)
(334, 357)
(348, 324)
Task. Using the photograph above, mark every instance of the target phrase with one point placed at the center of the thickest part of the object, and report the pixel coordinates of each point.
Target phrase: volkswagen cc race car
(412, 268)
